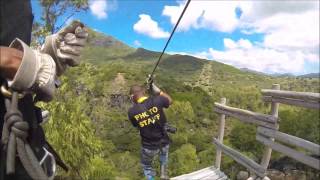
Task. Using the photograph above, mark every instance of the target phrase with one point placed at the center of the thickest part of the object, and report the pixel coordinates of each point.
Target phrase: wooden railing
(267, 132)
(303, 99)
(247, 116)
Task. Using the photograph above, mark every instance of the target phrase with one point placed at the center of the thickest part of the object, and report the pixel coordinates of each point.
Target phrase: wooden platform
(209, 173)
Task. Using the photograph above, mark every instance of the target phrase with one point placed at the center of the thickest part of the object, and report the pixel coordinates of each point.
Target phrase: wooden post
(274, 112)
(220, 136)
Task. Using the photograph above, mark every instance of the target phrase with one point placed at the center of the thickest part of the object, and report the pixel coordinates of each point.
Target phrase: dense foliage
(89, 125)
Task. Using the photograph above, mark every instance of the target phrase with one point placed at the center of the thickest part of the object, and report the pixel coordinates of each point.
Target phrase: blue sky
(278, 37)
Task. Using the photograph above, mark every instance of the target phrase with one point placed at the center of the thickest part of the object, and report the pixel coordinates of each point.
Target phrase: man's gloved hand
(36, 72)
(154, 90)
(65, 46)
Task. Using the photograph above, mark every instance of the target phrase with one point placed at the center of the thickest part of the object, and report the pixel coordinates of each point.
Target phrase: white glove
(152, 87)
(155, 90)
(66, 45)
(36, 72)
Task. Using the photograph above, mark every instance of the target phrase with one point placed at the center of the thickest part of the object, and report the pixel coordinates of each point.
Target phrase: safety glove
(153, 89)
(35, 74)
(66, 45)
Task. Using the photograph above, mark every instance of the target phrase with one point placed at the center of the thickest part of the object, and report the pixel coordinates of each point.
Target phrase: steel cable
(167, 43)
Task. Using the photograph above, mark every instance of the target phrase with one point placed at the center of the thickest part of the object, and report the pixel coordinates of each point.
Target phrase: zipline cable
(165, 47)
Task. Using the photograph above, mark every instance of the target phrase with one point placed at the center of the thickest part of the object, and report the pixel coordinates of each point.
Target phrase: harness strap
(14, 134)
(56, 157)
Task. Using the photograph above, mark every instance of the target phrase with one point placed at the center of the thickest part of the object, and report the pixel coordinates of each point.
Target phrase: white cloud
(230, 44)
(290, 26)
(221, 15)
(98, 8)
(255, 57)
(213, 15)
(147, 26)
(137, 43)
(256, 10)
(242, 43)
(290, 32)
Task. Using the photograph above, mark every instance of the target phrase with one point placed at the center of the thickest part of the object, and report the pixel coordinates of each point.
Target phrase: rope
(167, 43)
(15, 133)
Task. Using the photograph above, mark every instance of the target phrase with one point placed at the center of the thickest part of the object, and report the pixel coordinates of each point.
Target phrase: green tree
(183, 160)
(101, 168)
(300, 122)
(243, 138)
(128, 165)
(207, 156)
(181, 111)
(52, 10)
(71, 133)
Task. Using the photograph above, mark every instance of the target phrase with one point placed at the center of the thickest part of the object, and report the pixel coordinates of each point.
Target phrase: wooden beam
(274, 113)
(246, 116)
(220, 135)
(250, 114)
(310, 161)
(241, 159)
(256, 116)
(295, 102)
(308, 96)
(289, 139)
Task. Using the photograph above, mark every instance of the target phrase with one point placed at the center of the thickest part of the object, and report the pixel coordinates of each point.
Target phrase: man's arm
(28, 70)
(10, 60)
(36, 71)
(165, 99)
(155, 90)
(166, 96)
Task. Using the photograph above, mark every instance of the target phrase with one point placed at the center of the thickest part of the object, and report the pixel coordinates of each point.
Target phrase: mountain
(103, 40)
(104, 47)
(188, 70)
(282, 75)
(89, 126)
(143, 54)
(310, 75)
(252, 71)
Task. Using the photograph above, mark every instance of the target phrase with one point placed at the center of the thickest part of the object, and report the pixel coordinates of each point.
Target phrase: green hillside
(89, 125)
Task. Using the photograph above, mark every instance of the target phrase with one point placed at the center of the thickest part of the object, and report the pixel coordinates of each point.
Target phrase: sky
(267, 36)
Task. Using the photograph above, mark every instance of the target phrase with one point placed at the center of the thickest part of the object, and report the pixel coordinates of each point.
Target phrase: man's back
(149, 117)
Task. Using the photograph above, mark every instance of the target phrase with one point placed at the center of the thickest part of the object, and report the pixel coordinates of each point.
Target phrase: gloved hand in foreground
(65, 46)
(36, 72)
(154, 90)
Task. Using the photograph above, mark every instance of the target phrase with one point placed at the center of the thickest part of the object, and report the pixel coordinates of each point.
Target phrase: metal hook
(8, 93)
(53, 166)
